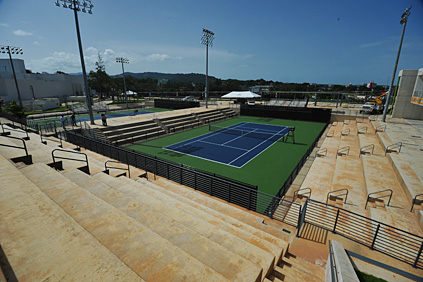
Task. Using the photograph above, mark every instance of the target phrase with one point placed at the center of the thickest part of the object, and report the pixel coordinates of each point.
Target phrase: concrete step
(319, 178)
(43, 243)
(194, 243)
(243, 243)
(232, 215)
(349, 175)
(152, 257)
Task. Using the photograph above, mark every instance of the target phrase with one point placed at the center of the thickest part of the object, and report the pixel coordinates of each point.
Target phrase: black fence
(12, 118)
(292, 113)
(232, 191)
(394, 242)
(175, 104)
(298, 167)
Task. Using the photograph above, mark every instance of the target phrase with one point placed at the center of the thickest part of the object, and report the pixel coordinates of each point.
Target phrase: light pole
(124, 61)
(18, 51)
(207, 40)
(76, 6)
(404, 18)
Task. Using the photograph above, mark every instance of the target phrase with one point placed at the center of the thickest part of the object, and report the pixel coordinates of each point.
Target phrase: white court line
(238, 137)
(202, 158)
(207, 135)
(222, 145)
(257, 146)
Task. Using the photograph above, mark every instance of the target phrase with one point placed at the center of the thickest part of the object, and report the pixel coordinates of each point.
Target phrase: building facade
(36, 86)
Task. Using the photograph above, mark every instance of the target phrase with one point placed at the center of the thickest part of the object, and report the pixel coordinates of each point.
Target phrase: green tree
(99, 80)
(15, 109)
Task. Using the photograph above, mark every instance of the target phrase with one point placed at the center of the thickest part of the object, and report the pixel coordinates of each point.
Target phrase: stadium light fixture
(15, 51)
(124, 61)
(75, 6)
(403, 22)
(207, 39)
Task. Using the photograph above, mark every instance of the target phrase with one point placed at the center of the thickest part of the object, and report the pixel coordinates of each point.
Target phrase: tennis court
(235, 145)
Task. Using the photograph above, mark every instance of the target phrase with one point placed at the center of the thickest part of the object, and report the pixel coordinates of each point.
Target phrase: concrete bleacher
(176, 123)
(132, 132)
(125, 230)
(210, 116)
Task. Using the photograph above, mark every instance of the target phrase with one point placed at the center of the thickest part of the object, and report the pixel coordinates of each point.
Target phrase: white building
(36, 86)
(409, 100)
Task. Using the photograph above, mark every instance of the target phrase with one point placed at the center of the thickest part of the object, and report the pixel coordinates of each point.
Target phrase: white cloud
(21, 32)
(4, 24)
(70, 62)
(161, 57)
(36, 43)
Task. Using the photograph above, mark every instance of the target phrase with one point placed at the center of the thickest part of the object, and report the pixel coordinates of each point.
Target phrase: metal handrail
(360, 130)
(322, 150)
(392, 146)
(296, 193)
(346, 132)
(389, 240)
(415, 200)
(20, 131)
(346, 195)
(70, 159)
(380, 128)
(329, 134)
(346, 121)
(390, 196)
(365, 147)
(16, 147)
(347, 148)
(113, 167)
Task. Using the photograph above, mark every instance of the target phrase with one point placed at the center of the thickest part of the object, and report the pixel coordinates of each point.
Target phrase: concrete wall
(403, 107)
(36, 86)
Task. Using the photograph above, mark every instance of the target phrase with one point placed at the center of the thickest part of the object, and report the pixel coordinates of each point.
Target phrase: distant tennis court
(235, 145)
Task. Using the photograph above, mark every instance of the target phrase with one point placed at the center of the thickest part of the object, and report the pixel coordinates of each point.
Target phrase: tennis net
(272, 136)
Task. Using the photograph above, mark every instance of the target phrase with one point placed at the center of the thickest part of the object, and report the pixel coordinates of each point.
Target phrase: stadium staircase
(131, 132)
(71, 225)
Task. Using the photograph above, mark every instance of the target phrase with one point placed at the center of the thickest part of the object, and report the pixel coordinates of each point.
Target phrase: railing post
(418, 256)
(301, 218)
(374, 238)
(336, 221)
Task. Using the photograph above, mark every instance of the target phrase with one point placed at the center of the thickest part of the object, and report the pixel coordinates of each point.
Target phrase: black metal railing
(296, 193)
(399, 244)
(416, 201)
(366, 149)
(294, 173)
(362, 130)
(346, 132)
(321, 151)
(343, 151)
(378, 192)
(58, 165)
(380, 128)
(108, 167)
(230, 190)
(27, 159)
(391, 147)
(330, 194)
(16, 129)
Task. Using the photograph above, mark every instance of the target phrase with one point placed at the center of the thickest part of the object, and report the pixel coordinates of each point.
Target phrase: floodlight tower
(404, 18)
(18, 51)
(76, 6)
(207, 40)
(124, 61)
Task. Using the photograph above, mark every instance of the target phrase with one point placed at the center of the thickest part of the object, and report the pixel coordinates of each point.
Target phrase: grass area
(60, 109)
(269, 170)
(364, 277)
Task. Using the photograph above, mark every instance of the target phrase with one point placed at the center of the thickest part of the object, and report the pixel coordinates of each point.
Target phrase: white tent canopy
(129, 92)
(241, 94)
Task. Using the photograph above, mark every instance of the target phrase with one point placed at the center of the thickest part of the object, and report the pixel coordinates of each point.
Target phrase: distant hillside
(181, 77)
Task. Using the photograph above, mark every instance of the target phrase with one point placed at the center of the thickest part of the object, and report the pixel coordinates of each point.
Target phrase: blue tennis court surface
(235, 145)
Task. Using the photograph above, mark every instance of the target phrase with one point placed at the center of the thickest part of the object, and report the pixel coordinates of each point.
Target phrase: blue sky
(327, 41)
